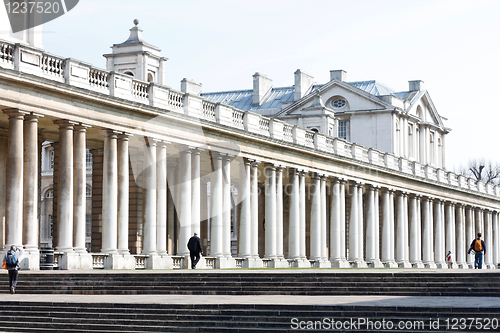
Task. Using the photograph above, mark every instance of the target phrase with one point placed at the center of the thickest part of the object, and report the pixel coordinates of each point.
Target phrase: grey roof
(242, 99)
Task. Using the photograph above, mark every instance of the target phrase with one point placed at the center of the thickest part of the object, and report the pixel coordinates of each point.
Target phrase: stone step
(103, 317)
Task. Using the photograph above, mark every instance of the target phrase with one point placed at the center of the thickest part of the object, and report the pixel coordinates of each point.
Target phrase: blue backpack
(12, 259)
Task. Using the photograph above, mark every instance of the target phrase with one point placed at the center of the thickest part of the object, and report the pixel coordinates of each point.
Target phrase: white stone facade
(261, 191)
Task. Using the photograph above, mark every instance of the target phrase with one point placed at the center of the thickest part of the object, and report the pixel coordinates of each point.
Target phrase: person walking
(479, 247)
(194, 247)
(12, 259)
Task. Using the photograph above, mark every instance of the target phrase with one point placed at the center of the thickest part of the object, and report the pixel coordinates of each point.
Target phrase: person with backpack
(12, 260)
(479, 247)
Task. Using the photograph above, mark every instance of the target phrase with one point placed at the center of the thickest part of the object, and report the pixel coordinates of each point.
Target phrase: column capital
(245, 161)
(194, 151)
(215, 155)
(162, 143)
(32, 117)
(124, 136)
(64, 123)
(415, 196)
(151, 142)
(110, 133)
(82, 126)
(374, 187)
(357, 183)
(15, 113)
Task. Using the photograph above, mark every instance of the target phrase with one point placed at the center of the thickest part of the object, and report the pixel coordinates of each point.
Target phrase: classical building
(115, 170)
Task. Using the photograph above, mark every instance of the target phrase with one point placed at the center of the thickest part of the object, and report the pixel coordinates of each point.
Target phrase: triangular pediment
(355, 99)
(422, 107)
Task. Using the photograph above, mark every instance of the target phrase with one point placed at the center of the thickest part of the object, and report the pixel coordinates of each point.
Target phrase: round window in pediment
(339, 103)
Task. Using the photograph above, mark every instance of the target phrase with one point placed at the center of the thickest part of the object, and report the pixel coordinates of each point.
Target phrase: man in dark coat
(194, 247)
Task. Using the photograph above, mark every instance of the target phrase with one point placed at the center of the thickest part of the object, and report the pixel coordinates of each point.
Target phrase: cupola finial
(136, 22)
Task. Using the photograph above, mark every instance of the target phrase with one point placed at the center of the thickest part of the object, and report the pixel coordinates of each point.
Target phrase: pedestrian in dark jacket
(194, 247)
(14, 268)
(479, 247)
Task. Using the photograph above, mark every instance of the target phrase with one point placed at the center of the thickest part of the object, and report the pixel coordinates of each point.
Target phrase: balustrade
(7, 53)
(98, 78)
(209, 110)
(140, 89)
(52, 65)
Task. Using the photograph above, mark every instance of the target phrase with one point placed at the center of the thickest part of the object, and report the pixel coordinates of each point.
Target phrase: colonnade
(346, 222)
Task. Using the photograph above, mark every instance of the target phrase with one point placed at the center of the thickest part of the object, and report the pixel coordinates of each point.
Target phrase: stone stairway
(403, 283)
(113, 317)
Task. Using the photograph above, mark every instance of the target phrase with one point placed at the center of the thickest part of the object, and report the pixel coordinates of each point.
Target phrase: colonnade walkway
(59, 308)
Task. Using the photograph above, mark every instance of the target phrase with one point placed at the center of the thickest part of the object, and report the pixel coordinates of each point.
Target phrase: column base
(404, 264)
(29, 260)
(430, 264)
(390, 264)
(463, 265)
(471, 265)
(119, 261)
(358, 264)
(71, 260)
(225, 262)
(375, 263)
(277, 263)
(441, 265)
(452, 265)
(417, 264)
(339, 263)
(252, 263)
(490, 266)
(322, 264)
(300, 263)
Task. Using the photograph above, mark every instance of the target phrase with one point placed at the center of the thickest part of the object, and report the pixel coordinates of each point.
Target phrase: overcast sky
(452, 45)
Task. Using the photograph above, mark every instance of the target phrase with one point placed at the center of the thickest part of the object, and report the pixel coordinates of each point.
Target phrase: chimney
(338, 74)
(190, 87)
(416, 85)
(261, 86)
(303, 84)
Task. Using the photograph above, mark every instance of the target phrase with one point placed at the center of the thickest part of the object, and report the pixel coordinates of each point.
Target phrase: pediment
(422, 107)
(339, 97)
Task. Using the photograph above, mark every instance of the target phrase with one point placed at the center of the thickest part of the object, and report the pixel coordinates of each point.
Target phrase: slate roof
(242, 99)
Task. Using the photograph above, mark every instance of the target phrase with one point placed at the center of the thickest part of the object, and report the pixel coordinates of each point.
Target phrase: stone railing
(35, 61)
(177, 262)
(210, 262)
(98, 260)
(239, 262)
(140, 261)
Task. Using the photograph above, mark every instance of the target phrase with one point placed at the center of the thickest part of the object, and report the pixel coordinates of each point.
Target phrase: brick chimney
(338, 74)
(261, 87)
(416, 85)
(303, 84)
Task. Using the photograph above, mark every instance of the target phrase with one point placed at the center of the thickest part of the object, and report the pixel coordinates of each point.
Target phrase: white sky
(452, 45)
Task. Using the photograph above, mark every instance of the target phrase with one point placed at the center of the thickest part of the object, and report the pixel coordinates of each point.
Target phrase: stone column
(479, 221)
(354, 232)
(372, 227)
(149, 198)
(427, 234)
(270, 211)
(402, 235)
(469, 221)
(65, 187)
(14, 180)
(279, 213)
(315, 234)
(323, 221)
(496, 242)
(216, 232)
(110, 194)
(450, 231)
(387, 229)
(184, 201)
(488, 239)
(439, 240)
(161, 198)
(415, 233)
(254, 208)
(361, 227)
(337, 222)
(302, 214)
(244, 235)
(195, 190)
(123, 193)
(31, 192)
(80, 188)
(226, 206)
(294, 217)
(460, 236)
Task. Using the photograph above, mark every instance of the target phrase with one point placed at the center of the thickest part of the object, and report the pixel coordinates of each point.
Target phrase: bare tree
(482, 170)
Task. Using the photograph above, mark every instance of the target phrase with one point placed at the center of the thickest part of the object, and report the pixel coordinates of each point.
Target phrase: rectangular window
(88, 228)
(342, 132)
(51, 226)
(89, 161)
(51, 159)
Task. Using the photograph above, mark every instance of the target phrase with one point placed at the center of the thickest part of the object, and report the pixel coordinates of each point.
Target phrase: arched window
(151, 77)
(49, 193)
(417, 144)
(439, 161)
(129, 73)
(397, 138)
(419, 112)
(432, 150)
(411, 141)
